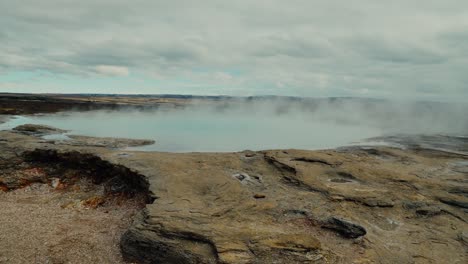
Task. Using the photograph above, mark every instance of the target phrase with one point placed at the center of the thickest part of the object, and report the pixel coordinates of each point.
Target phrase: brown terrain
(82, 201)
(16, 104)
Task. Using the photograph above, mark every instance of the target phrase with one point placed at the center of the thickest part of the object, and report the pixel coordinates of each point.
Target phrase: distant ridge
(188, 96)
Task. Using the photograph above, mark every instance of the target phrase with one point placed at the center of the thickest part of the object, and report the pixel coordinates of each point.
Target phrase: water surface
(208, 130)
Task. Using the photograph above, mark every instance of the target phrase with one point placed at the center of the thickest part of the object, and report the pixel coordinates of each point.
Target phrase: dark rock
(118, 185)
(454, 202)
(411, 205)
(280, 165)
(428, 211)
(118, 178)
(259, 196)
(145, 246)
(38, 130)
(459, 191)
(241, 176)
(345, 228)
(249, 154)
(312, 160)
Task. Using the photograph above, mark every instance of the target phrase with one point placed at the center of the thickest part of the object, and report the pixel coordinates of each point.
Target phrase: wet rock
(38, 130)
(458, 202)
(345, 228)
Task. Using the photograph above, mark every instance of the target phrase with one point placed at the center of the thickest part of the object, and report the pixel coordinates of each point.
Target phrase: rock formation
(350, 205)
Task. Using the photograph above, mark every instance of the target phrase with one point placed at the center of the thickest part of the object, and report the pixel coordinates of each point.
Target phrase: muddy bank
(352, 205)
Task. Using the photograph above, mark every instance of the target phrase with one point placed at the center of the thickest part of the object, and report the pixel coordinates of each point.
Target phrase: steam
(392, 117)
(264, 123)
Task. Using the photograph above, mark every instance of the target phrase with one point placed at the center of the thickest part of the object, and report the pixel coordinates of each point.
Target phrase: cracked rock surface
(352, 205)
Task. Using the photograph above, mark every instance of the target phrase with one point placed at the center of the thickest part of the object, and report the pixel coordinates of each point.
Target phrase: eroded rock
(345, 228)
(206, 211)
(144, 245)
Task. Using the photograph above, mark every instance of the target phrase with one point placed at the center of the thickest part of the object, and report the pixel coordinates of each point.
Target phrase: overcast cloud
(391, 49)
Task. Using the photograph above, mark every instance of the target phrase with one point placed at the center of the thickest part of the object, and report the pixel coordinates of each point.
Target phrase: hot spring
(232, 128)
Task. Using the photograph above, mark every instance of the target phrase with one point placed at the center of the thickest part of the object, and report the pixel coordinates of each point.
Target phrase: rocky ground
(55, 212)
(41, 224)
(350, 205)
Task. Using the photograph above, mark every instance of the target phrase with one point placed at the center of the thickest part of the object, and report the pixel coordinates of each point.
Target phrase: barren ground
(39, 224)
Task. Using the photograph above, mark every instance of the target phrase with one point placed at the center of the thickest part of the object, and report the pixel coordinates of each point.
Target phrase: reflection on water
(204, 130)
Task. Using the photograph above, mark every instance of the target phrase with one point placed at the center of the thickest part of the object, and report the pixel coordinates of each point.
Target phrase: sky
(406, 49)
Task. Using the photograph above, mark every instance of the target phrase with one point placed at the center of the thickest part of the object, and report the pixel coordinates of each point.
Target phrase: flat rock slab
(208, 208)
(106, 142)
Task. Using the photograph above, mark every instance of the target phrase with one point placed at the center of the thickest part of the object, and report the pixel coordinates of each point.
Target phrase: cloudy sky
(397, 49)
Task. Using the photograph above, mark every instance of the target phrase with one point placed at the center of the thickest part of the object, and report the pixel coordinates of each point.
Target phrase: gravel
(39, 224)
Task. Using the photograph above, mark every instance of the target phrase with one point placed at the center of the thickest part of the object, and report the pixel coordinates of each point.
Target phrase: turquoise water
(210, 130)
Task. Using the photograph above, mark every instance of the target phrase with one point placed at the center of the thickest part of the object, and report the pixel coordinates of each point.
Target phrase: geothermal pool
(210, 130)
(224, 127)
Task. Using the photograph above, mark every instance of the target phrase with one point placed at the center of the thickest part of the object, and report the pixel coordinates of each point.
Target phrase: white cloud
(298, 47)
(112, 70)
